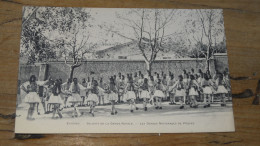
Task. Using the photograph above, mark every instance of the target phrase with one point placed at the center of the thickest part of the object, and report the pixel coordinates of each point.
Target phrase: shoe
(156, 107)
(145, 109)
(136, 108)
(160, 107)
(60, 115)
(195, 106)
(131, 111)
(92, 114)
(31, 119)
(205, 106)
(208, 105)
(112, 113)
(181, 107)
(115, 112)
(38, 113)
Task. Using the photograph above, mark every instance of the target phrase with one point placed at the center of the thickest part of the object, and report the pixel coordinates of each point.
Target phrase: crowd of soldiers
(188, 89)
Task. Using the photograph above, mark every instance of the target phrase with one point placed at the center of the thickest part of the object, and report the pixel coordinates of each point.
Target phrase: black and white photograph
(123, 70)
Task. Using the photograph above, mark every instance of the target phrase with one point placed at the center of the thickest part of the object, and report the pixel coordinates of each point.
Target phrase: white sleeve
(63, 87)
(70, 89)
(41, 83)
(82, 87)
(197, 84)
(100, 89)
(217, 81)
(175, 84)
(25, 84)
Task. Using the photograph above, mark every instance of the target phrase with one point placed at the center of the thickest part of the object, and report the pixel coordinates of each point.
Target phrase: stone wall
(25, 71)
(106, 68)
(221, 62)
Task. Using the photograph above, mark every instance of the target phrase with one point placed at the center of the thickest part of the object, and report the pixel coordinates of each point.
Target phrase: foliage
(204, 27)
(37, 47)
(50, 33)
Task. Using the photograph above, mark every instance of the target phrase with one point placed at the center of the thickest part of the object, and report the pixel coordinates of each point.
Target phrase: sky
(177, 26)
(103, 18)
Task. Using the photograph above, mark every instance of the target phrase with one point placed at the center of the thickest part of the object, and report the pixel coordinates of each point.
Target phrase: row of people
(152, 90)
(202, 79)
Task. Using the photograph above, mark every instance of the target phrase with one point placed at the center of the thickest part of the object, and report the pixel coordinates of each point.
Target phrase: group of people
(188, 88)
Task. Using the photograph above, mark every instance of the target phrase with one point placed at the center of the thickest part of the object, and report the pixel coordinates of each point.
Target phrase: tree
(64, 31)
(198, 51)
(209, 19)
(70, 25)
(219, 47)
(75, 48)
(178, 46)
(37, 46)
(205, 28)
(148, 30)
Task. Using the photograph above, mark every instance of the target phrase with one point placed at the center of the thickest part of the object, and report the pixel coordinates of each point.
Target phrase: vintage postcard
(118, 70)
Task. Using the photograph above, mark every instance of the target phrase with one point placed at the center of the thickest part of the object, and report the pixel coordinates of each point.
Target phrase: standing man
(65, 89)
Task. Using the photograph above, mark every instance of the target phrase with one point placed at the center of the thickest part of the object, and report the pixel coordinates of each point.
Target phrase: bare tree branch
(26, 20)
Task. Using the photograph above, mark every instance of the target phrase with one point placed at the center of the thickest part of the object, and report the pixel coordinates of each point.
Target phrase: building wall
(107, 68)
(221, 62)
(25, 71)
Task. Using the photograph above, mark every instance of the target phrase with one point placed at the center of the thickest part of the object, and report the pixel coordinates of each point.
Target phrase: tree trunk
(71, 72)
(207, 59)
(149, 68)
(207, 69)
